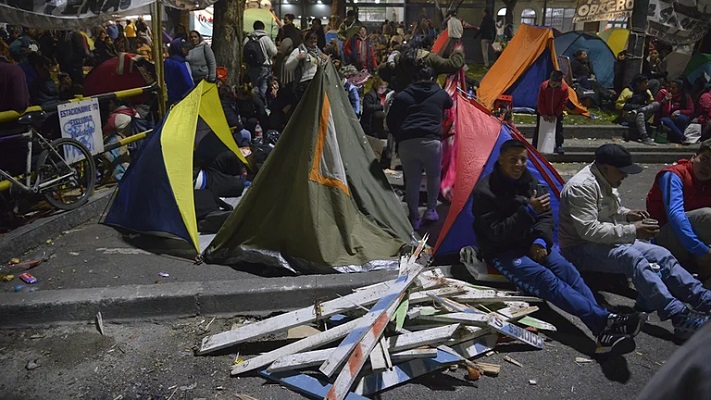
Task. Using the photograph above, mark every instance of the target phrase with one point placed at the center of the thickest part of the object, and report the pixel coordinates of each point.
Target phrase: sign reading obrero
(602, 10)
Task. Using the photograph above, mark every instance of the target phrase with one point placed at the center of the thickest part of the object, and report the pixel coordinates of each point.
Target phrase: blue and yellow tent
(156, 194)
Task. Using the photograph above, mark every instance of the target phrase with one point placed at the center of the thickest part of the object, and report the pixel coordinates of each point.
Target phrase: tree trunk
(338, 9)
(227, 37)
(509, 18)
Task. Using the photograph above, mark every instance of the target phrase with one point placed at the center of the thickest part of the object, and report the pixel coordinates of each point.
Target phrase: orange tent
(524, 64)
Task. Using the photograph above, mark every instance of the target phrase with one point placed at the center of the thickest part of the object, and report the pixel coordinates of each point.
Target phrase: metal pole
(545, 6)
(157, 11)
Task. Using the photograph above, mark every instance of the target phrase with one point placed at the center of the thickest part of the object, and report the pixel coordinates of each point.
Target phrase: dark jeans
(677, 126)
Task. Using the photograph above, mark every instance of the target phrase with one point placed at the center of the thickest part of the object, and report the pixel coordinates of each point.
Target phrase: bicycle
(64, 171)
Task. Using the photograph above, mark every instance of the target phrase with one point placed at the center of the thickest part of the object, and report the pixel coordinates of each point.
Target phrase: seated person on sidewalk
(552, 99)
(597, 234)
(676, 109)
(223, 176)
(118, 126)
(681, 201)
(514, 227)
(583, 74)
(638, 105)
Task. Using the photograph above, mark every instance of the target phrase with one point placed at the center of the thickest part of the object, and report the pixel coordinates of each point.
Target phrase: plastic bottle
(258, 130)
(656, 268)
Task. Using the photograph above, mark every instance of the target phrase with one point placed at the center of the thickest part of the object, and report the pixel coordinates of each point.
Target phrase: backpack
(253, 54)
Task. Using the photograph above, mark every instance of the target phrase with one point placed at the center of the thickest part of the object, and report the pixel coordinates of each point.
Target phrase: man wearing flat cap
(598, 234)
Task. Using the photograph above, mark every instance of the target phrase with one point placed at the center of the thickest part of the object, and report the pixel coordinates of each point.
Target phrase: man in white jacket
(260, 74)
(597, 234)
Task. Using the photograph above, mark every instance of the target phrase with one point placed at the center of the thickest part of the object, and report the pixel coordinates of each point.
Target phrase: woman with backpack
(201, 59)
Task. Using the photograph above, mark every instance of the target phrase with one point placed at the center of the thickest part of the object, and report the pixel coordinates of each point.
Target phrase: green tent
(321, 203)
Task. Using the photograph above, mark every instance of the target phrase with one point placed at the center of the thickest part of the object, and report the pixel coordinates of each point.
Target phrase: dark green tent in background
(321, 203)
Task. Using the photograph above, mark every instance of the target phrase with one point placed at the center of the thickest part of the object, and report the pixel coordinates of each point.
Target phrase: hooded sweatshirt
(177, 72)
(417, 111)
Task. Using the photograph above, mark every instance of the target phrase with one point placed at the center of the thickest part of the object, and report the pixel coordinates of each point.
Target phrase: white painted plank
(414, 353)
(379, 314)
(515, 332)
(458, 317)
(308, 343)
(427, 337)
(290, 320)
(368, 340)
(377, 359)
(424, 297)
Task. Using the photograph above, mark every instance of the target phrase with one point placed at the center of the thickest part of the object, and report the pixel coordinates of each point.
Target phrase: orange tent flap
(521, 52)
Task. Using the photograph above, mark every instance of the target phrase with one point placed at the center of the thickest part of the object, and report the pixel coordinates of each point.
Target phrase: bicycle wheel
(73, 191)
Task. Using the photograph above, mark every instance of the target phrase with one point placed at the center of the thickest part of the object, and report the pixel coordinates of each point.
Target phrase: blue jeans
(556, 281)
(677, 126)
(665, 293)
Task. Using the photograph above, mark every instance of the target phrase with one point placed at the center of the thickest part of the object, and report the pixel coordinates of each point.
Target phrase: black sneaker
(614, 344)
(627, 324)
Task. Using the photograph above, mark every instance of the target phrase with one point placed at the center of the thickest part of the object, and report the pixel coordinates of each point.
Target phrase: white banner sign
(678, 22)
(82, 121)
(73, 14)
(602, 10)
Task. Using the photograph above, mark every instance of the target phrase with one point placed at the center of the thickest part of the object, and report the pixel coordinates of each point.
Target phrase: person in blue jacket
(178, 78)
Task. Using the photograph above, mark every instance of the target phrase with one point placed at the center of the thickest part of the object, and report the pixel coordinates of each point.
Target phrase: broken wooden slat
(473, 348)
(377, 318)
(367, 340)
(386, 352)
(413, 340)
(404, 372)
(304, 384)
(488, 369)
(308, 343)
(458, 317)
(377, 359)
(414, 353)
(424, 296)
(516, 332)
(401, 314)
(290, 319)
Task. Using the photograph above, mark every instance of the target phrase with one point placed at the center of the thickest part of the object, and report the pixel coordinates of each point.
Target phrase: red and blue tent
(479, 136)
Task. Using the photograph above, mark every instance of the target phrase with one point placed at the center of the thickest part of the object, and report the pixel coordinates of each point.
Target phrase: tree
(227, 37)
(509, 18)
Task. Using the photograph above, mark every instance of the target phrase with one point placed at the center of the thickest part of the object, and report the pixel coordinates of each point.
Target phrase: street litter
(164, 274)
(389, 334)
(512, 361)
(582, 360)
(28, 278)
(100, 323)
(34, 364)
(532, 382)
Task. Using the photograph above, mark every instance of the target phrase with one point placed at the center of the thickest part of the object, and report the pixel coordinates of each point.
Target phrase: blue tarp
(599, 53)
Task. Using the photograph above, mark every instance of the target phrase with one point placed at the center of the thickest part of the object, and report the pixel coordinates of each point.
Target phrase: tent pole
(157, 11)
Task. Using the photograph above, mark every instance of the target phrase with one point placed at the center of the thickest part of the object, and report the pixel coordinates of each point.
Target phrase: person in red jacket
(359, 51)
(676, 109)
(680, 200)
(552, 99)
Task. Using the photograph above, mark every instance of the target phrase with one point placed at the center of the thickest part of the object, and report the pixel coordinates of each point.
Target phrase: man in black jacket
(514, 229)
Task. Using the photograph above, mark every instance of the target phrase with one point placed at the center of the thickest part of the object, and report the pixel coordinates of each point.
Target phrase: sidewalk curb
(258, 297)
(581, 131)
(27, 237)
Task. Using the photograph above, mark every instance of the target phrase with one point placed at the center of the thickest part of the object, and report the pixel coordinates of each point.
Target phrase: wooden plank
(476, 347)
(368, 339)
(424, 297)
(401, 314)
(300, 360)
(304, 384)
(516, 332)
(407, 355)
(377, 359)
(398, 345)
(427, 337)
(404, 372)
(308, 343)
(290, 319)
(458, 317)
(386, 352)
(374, 321)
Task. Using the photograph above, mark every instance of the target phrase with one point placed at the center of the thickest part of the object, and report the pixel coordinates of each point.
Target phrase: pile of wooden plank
(389, 333)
